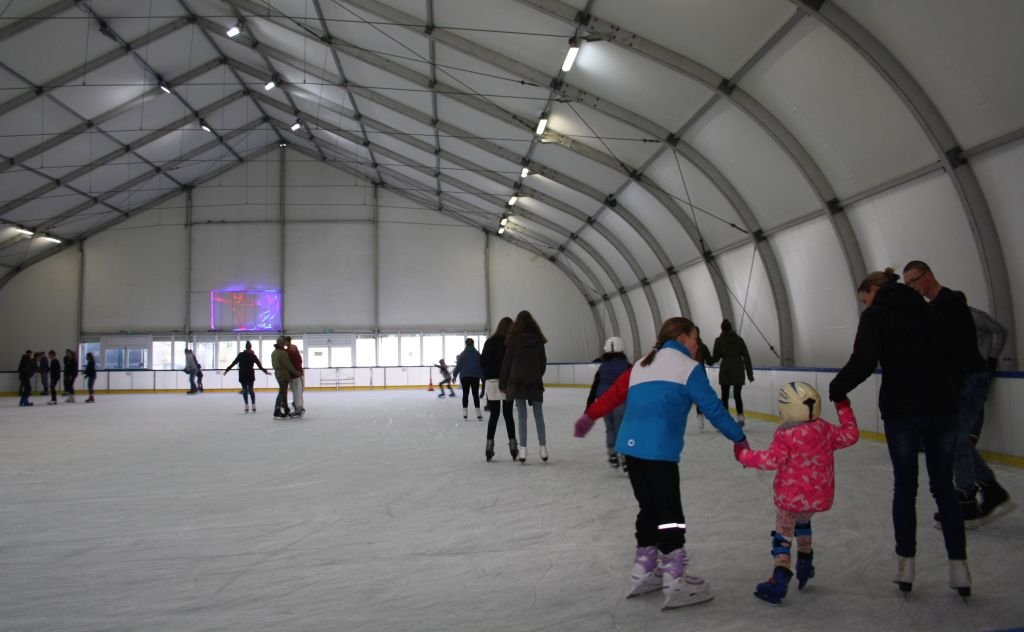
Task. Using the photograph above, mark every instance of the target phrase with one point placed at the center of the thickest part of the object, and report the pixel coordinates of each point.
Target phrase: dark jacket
(54, 370)
(468, 363)
(911, 342)
(952, 305)
(44, 365)
(245, 361)
(70, 366)
(612, 366)
(90, 368)
(492, 356)
(26, 367)
(731, 351)
(522, 369)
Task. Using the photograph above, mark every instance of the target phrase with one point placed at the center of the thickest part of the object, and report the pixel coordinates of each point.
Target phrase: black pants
(739, 397)
(504, 408)
(54, 380)
(69, 383)
(281, 405)
(24, 388)
(660, 520)
(470, 384)
(91, 381)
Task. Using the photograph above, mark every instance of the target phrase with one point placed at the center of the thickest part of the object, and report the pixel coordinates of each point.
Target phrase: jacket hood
(529, 341)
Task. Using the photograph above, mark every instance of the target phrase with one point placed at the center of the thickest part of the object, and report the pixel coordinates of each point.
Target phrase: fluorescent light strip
(24, 231)
(542, 125)
(51, 239)
(270, 85)
(296, 125)
(570, 56)
(525, 172)
(504, 220)
(165, 88)
(512, 200)
(501, 230)
(234, 30)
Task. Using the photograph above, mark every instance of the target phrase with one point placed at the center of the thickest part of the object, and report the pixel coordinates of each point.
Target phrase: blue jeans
(612, 422)
(538, 418)
(904, 437)
(247, 392)
(969, 467)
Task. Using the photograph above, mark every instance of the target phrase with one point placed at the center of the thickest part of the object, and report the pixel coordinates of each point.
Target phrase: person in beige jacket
(284, 372)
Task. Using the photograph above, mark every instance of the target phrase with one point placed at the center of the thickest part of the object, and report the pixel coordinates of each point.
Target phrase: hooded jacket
(658, 399)
(468, 364)
(732, 352)
(522, 370)
(910, 340)
(802, 452)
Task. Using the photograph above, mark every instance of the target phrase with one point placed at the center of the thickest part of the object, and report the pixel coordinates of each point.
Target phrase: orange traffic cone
(431, 386)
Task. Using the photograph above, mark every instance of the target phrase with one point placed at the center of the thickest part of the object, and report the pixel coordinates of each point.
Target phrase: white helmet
(799, 401)
(614, 345)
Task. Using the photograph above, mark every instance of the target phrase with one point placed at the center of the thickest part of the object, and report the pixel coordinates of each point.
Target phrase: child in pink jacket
(801, 451)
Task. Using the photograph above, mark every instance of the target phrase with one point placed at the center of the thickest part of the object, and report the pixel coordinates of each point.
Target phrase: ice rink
(378, 512)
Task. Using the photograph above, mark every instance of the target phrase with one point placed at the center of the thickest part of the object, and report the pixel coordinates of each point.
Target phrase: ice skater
(54, 377)
(298, 383)
(70, 373)
(468, 366)
(522, 373)
(613, 364)
(247, 374)
(90, 376)
(491, 359)
(802, 453)
(26, 369)
(659, 391)
(447, 379)
(731, 351)
(284, 373)
(191, 367)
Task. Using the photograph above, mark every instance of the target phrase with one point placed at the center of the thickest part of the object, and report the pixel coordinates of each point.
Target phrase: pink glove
(583, 426)
(739, 447)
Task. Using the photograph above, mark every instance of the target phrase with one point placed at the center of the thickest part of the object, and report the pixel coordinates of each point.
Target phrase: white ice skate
(679, 588)
(904, 574)
(646, 574)
(544, 453)
(522, 454)
(960, 577)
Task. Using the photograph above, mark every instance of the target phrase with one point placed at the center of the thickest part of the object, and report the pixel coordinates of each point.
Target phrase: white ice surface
(378, 512)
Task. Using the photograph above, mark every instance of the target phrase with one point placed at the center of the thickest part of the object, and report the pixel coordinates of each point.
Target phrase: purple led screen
(242, 310)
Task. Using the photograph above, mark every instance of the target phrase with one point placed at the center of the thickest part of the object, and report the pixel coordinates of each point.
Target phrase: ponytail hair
(885, 277)
(670, 330)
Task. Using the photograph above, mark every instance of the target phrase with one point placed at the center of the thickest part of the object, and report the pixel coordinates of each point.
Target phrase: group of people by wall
(936, 359)
(49, 370)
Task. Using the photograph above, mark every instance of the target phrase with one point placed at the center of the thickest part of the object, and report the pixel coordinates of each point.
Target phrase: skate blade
(643, 589)
(683, 600)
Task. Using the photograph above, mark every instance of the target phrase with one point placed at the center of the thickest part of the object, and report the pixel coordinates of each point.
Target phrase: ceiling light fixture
(204, 126)
(542, 125)
(24, 231)
(570, 56)
(504, 221)
(296, 125)
(283, 144)
(270, 85)
(525, 172)
(163, 85)
(235, 30)
(501, 230)
(512, 200)
(51, 239)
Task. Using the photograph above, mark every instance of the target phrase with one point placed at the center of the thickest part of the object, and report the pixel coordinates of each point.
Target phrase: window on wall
(387, 351)
(113, 358)
(135, 358)
(433, 348)
(227, 350)
(266, 348)
(94, 349)
(453, 346)
(410, 350)
(179, 354)
(163, 355)
(366, 351)
(205, 351)
(318, 357)
(341, 357)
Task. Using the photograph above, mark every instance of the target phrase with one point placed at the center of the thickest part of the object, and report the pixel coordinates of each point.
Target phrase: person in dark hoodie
(731, 351)
(522, 372)
(613, 364)
(70, 373)
(54, 377)
(90, 376)
(26, 369)
(491, 360)
(468, 366)
(909, 339)
(44, 373)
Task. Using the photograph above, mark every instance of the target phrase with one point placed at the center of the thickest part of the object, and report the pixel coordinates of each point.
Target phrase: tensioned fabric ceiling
(682, 131)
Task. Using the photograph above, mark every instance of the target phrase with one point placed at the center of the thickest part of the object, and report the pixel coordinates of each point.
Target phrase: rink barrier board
(1002, 441)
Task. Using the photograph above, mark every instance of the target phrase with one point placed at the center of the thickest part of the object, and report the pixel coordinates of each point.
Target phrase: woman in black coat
(918, 403)
(491, 359)
(521, 378)
(731, 351)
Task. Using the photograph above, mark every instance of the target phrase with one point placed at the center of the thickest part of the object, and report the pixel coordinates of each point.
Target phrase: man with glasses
(970, 471)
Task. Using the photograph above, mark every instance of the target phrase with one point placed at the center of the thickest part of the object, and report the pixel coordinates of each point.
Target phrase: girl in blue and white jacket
(658, 393)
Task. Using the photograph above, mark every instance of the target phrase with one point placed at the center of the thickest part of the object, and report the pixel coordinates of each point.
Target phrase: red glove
(739, 447)
(583, 426)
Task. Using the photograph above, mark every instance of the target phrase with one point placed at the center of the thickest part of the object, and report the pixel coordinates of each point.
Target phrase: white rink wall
(1002, 438)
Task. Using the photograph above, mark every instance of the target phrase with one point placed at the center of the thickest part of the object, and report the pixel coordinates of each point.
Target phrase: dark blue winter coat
(612, 366)
(468, 364)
